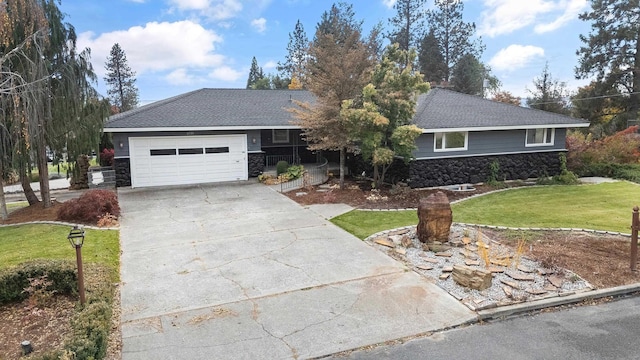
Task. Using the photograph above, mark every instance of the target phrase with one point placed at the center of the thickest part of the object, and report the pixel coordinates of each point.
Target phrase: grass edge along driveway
(605, 206)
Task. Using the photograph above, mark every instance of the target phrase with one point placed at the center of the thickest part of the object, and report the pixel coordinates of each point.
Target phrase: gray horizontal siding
(124, 138)
(489, 142)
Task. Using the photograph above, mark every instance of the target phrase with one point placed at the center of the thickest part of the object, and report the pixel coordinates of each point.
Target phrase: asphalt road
(605, 331)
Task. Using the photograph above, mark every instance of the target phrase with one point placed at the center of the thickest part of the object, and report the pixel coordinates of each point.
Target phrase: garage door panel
(227, 162)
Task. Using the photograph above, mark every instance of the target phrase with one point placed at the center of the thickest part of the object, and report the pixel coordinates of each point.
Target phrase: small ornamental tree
(380, 121)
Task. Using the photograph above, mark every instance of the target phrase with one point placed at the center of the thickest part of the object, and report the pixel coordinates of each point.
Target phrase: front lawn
(605, 206)
(30, 242)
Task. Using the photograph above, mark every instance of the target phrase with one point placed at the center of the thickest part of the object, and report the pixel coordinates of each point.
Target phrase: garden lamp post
(76, 238)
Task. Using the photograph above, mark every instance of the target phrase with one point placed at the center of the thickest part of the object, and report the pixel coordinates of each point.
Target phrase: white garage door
(179, 160)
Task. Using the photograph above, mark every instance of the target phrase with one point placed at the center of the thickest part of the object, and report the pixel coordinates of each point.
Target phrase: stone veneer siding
(468, 170)
(123, 172)
(256, 164)
(473, 170)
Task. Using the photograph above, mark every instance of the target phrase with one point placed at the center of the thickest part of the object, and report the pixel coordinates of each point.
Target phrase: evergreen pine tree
(255, 74)
(453, 34)
(293, 66)
(430, 60)
(408, 23)
(121, 80)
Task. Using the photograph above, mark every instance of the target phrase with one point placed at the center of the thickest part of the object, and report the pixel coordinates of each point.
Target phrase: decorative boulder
(434, 218)
(478, 279)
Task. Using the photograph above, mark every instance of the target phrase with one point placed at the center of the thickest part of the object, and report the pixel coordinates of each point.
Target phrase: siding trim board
(198, 128)
(510, 127)
(490, 154)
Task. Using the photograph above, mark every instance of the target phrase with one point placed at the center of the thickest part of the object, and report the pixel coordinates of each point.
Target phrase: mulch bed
(45, 327)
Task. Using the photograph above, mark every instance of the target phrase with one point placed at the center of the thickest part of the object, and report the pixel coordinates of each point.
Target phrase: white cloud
(505, 16)
(389, 3)
(259, 24)
(190, 4)
(180, 77)
(212, 9)
(157, 46)
(515, 57)
(571, 12)
(270, 64)
(225, 73)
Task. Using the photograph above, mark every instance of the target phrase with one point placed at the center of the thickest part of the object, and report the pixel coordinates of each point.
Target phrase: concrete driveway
(238, 271)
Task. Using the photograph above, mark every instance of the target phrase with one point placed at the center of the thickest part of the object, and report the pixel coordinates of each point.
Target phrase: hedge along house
(207, 135)
(213, 135)
(463, 134)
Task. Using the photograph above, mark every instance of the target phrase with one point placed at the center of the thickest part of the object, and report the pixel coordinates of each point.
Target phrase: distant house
(213, 135)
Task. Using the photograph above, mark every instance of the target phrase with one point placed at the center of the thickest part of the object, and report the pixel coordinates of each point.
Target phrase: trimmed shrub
(13, 281)
(294, 172)
(106, 157)
(90, 207)
(281, 167)
(91, 331)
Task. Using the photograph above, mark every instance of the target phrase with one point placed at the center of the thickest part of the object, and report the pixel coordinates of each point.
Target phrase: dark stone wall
(440, 172)
(123, 171)
(256, 164)
(399, 171)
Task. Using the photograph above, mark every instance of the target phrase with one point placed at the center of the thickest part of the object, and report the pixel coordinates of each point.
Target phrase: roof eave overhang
(196, 128)
(509, 127)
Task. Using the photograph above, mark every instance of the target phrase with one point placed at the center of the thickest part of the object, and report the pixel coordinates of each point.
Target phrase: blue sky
(177, 46)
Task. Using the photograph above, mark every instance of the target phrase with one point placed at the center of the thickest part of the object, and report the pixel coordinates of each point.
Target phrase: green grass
(365, 223)
(29, 242)
(605, 206)
(16, 205)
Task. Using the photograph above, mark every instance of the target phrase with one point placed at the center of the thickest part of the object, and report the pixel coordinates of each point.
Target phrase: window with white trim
(451, 141)
(280, 136)
(540, 137)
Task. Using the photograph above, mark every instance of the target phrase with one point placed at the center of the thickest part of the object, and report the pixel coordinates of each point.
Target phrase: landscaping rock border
(527, 282)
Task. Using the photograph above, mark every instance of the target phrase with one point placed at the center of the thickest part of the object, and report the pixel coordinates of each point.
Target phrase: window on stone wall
(451, 141)
(280, 136)
(540, 137)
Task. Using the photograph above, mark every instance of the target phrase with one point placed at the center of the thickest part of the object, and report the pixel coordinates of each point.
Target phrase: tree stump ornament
(434, 218)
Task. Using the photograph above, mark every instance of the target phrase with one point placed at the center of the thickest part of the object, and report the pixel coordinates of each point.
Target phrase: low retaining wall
(467, 170)
(473, 170)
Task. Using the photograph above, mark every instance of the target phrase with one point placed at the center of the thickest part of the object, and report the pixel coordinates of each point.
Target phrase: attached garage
(182, 160)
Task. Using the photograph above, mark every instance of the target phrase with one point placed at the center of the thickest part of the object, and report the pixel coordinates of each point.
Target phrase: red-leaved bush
(90, 207)
(106, 157)
(620, 148)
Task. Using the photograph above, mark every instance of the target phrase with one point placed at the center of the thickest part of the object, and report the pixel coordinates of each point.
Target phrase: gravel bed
(419, 260)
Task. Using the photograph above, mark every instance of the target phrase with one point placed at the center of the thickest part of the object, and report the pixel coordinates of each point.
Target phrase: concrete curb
(510, 310)
(62, 223)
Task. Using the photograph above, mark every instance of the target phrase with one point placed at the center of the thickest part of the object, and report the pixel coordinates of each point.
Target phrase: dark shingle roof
(447, 109)
(214, 108)
(438, 109)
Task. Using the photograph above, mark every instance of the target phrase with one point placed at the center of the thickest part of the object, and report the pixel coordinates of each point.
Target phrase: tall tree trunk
(635, 97)
(4, 214)
(376, 177)
(343, 155)
(43, 170)
(25, 181)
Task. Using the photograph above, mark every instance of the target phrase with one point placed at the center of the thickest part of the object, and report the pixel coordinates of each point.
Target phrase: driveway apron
(238, 271)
